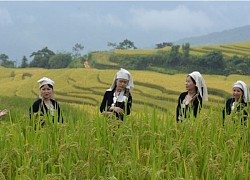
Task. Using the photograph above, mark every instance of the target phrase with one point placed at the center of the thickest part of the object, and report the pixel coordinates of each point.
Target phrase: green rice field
(148, 144)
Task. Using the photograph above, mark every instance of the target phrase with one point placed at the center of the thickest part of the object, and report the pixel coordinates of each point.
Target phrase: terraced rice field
(86, 86)
(228, 50)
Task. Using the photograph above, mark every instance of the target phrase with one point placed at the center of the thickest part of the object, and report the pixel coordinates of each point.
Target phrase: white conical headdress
(245, 89)
(44, 81)
(124, 74)
(200, 84)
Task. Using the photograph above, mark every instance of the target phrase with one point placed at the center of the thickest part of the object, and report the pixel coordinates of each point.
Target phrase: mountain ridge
(235, 35)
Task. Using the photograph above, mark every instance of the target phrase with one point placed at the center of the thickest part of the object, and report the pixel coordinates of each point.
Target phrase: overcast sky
(29, 26)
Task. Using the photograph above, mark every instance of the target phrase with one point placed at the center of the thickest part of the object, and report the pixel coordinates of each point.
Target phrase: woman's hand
(4, 112)
(116, 109)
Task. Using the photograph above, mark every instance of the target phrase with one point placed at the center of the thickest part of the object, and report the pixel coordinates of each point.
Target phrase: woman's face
(46, 91)
(121, 84)
(190, 85)
(237, 93)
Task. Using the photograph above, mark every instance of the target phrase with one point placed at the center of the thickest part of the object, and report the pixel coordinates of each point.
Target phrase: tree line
(46, 58)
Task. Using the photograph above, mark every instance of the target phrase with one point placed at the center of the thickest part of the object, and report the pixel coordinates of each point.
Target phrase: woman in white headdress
(190, 101)
(118, 99)
(46, 105)
(238, 103)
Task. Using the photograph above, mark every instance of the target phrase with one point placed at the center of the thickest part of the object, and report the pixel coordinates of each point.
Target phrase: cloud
(80, 15)
(180, 19)
(29, 19)
(5, 17)
(112, 20)
(97, 19)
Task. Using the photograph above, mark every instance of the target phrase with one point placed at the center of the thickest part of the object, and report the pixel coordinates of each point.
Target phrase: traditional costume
(185, 109)
(123, 99)
(41, 109)
(238, 108)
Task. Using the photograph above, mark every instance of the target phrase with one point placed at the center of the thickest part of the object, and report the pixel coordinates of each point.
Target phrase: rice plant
(149, 144)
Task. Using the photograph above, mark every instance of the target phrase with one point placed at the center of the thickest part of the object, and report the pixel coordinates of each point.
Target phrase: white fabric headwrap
(44, 81)
(200, 84)
(244, 88)
(124, 74)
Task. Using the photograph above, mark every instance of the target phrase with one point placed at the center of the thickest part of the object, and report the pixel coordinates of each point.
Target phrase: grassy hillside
(87, 86)
(228, 50)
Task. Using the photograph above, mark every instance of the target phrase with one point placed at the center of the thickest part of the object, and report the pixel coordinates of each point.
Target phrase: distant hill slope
(101, 59)
(240, 34)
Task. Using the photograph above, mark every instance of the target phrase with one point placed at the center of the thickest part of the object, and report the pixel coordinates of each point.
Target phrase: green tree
(214, 61)
(174, 56)
(60, 61)
(113, 45)
(4, 57)
(41, 58)
(76, 50)
(186, 49)
(24, 62)
(242, 68)
(126, 44)
(76, 63)
(164, 44)
(5, 62)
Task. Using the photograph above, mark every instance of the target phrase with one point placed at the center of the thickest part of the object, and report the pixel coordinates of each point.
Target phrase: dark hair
(242, 91)
(48, 85)
(192, 79)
